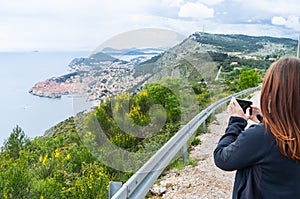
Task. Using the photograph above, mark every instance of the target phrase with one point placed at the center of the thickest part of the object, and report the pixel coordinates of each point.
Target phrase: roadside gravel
(204, 181)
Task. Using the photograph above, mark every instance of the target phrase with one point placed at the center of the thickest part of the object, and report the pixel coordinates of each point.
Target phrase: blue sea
(19, 72)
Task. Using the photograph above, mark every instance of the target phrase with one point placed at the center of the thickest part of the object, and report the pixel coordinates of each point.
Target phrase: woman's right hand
(255, 111)
(234, 109)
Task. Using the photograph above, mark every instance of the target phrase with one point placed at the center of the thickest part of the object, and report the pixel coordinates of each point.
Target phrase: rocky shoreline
(56, 87)
(46, 89)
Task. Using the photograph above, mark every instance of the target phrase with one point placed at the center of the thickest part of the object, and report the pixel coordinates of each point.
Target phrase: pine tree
(15, 142)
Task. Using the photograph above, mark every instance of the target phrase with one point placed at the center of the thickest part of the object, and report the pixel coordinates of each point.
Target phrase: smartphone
(245, 104)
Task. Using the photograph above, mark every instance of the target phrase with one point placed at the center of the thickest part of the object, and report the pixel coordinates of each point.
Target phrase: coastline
(108, 79)
(33, 114)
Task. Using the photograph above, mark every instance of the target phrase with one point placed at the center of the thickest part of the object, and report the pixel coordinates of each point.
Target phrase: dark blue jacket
(262, 171)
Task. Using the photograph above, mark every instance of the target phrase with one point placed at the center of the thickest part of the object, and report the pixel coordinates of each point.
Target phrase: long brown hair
(280, 105)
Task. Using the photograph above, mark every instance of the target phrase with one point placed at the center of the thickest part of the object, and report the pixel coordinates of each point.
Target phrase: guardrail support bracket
(113, 188)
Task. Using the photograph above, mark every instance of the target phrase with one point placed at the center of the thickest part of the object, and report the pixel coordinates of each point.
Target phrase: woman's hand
(234, 109)
(255, 111)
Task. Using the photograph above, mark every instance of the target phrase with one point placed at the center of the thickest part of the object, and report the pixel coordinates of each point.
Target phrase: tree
(161, 93)
(16, 141)
(248, 79)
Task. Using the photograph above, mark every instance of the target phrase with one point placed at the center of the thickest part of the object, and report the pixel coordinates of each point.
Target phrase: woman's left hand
(234, 109)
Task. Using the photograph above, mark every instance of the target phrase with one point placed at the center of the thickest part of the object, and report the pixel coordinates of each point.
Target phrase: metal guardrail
(139, 184)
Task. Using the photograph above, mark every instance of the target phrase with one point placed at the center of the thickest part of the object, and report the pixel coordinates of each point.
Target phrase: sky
(72, 25)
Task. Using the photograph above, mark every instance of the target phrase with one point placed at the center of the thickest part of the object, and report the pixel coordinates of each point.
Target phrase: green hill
(95, 60)
(245, 43)
(196, 51)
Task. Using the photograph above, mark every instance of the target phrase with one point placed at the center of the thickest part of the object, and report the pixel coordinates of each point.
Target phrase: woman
(266, 155)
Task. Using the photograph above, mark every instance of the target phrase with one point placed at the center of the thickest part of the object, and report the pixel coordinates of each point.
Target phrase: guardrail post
(204, 126)
(113, 188)
(185, 155)
(212, 115)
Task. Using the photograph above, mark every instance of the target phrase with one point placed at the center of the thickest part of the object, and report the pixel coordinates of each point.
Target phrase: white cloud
(290, 22)
(69, 6)
(84, 24)
(211, 2)
(196, 10)
(267, 7)
(278, 20)
(175, 3)
(70, 25)
(253, 29)
(293, 22)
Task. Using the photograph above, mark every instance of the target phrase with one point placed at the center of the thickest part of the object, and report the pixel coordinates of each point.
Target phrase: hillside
(95, 60)
(194, 53)
(246, 44)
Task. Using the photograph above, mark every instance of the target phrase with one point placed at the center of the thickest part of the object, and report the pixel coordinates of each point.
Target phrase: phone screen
(245, 104)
